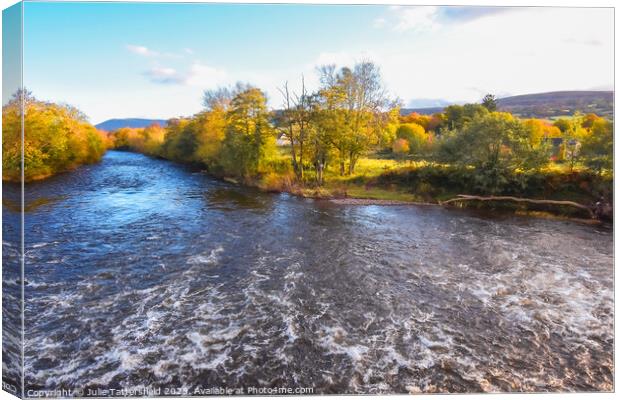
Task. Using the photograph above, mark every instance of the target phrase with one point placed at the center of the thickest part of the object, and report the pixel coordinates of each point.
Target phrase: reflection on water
(229, 199)
(148, 274)
(15, 206)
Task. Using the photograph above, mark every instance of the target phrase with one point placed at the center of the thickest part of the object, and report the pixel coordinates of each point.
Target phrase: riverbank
(552, 192)
(355, 194)
(375, 202)
(524, 213)
(15, 178)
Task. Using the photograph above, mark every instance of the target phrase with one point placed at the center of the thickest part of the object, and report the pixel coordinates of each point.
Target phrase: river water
(144, 273)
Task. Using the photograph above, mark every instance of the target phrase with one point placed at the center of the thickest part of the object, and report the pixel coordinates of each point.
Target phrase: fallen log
(467, 197)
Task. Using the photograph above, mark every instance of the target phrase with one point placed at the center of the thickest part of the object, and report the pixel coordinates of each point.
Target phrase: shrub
(400, 147)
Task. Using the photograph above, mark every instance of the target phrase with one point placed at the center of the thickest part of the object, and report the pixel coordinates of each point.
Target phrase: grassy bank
(388, 181)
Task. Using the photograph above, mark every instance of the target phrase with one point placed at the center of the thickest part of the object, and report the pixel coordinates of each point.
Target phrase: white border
(543, 3)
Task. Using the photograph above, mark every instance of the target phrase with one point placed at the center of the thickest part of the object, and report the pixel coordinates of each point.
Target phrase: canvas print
(299, 199)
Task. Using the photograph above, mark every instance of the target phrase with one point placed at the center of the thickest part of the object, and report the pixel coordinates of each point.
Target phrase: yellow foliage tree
(415, 135)
(57, 138)
(540, 130)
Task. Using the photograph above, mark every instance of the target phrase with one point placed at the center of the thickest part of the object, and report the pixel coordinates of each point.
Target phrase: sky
(11, 51)
(154, 60)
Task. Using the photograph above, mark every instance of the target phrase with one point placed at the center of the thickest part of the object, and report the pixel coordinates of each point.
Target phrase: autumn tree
(572, 136)
(295, 123)
(124, 138)
(209, 130)
(597, 147)
(387, 135)
(415, 118)
(249, 139)
(435, 122)
(326, 135)
(180, 142)
(415, 135)
(153, 136)
(56, 138)
(361, 100)
(588, 120)
(540, 131)
(400, 148)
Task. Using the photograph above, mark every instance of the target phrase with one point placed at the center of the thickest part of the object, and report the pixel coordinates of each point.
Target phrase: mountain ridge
(117, 123)
(546, 104)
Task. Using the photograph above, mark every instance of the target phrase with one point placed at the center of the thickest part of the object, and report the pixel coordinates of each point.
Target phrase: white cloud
(141, 50)
(164, 75)
(432, 18)
(146, 52)
(205, 76)
(419, 19)
(198, 74)
(495, 54)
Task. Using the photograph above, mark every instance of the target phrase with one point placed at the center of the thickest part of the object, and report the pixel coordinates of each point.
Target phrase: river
(141, 272)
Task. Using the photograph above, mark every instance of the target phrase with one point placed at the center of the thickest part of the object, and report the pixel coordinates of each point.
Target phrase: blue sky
(11, 67)
(117, 60)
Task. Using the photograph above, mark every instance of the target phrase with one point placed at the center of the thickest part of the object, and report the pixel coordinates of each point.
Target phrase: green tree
(573, 136)
(563, 124)
(388, 133)
(495, 145)
(180, 143)
(250, 139)
(490, 102)
(360, 97)
(598, 148)
(325, 135)
(457, 116)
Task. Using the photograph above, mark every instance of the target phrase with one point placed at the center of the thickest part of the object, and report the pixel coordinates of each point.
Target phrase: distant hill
(422, 111)
(114, 124)
(547, 105)
(428, 103)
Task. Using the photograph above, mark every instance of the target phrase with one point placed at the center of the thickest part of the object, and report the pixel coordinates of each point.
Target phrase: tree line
(351, 115)
(314, 134)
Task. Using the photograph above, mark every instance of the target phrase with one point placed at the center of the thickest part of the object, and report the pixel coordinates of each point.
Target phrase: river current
(144, 273)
